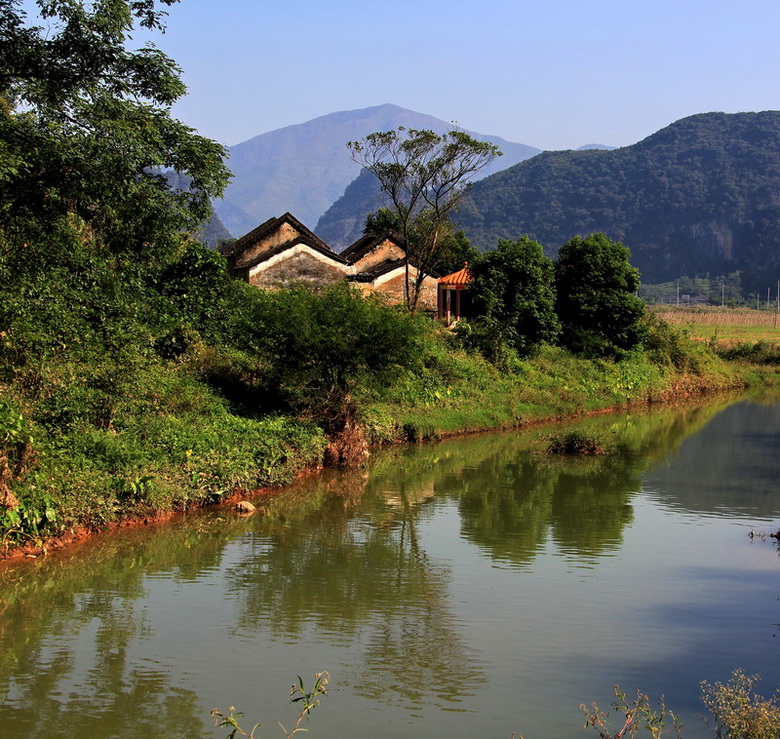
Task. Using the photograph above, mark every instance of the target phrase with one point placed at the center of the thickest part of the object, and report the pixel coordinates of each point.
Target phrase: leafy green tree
(595, 283)
(423, 175)
(86, 131)
(381, 220)
(87, 216)
(513, 296)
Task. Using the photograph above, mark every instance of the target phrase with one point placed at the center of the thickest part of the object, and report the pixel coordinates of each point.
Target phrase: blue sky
(549, 73)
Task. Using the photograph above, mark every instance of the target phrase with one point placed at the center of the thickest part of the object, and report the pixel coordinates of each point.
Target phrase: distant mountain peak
(305, 167)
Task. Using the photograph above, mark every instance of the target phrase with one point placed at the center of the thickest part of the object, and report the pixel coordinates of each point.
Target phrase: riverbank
(180, 442)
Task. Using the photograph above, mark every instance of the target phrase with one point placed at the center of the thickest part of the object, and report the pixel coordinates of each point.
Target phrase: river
(471, 588)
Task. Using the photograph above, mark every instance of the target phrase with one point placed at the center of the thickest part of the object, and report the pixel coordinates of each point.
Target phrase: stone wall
(300, 267)
(394, 290)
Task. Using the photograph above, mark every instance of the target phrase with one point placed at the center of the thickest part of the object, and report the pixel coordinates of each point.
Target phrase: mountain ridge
(305, 167)
(701, 195)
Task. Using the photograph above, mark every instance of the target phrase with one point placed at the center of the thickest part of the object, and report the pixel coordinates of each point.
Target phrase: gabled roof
(383, 268)
(267, 228)
(316, 244)
(369, 242)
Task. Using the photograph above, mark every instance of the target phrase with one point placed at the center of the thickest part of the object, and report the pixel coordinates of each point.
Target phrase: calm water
(467, 589)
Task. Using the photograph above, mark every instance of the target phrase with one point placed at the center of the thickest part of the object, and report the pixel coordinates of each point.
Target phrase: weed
(575, 442)
(739, 712)
(637, 716)
(308, 700)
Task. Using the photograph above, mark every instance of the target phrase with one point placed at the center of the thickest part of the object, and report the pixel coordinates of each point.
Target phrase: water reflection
(120, 637)
(363, 579)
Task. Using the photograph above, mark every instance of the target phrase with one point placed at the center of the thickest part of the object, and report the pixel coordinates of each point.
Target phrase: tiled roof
(461, 277)
(367, 243)
(317, 245)
(268, 227)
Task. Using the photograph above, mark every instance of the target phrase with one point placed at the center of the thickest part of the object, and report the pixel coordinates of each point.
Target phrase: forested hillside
(700, 196)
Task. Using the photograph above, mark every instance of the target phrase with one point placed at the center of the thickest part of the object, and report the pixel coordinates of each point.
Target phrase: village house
(282, 251)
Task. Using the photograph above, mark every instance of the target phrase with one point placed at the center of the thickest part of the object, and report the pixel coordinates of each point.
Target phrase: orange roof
(461, 277)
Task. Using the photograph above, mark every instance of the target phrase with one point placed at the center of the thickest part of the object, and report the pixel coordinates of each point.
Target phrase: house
(381, 267)
(282, 251)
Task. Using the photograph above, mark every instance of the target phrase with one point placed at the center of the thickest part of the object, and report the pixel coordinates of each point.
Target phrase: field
(727, 326)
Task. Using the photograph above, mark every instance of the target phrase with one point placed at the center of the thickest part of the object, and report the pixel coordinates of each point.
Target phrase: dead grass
(727, 326)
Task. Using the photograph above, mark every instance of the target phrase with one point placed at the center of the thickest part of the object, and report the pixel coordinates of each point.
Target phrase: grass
(475, 395)
(84, 447)
(726, 326)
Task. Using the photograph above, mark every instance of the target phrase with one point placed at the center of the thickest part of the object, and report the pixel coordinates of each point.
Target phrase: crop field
(727, 326)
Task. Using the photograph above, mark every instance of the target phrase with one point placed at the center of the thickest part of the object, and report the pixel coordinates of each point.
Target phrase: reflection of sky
(679, 597)
(729, 466)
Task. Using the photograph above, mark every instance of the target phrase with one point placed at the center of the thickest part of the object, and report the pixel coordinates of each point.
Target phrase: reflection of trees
(67, 628)
(730, 467)
(512, 498)
(365, 579)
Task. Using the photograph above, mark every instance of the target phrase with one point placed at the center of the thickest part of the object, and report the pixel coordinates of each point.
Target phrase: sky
(554, 74)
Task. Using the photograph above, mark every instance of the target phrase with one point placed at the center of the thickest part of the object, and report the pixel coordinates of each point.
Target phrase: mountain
(342, 223)
(701, 195)
(212, 232)
(304, 168)
(585, 147)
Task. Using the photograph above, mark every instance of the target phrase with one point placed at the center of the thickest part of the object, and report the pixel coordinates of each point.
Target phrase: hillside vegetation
(699, 196)
(136, 377)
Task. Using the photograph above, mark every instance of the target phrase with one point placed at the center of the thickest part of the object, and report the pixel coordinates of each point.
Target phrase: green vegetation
(595, 285)
(513, 296)
(137, 378)
(307, 698)
(690, 199)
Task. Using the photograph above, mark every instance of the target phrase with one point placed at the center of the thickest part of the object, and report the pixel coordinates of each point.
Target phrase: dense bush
(514, 299)
(595, 284)
(318, 348)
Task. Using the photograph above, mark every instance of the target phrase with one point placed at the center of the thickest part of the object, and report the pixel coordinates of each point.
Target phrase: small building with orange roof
(453, 302)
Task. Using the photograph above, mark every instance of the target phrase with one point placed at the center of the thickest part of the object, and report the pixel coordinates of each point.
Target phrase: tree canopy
(89, 219)
(86, 131)
(423, 176)
(512, 293)
(595, 284)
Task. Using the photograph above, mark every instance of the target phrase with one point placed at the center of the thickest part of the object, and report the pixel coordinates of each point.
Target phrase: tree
(423, 175)
(595, 283)
(88, 216)
(85, 129)
(513, 295)
(454, 246)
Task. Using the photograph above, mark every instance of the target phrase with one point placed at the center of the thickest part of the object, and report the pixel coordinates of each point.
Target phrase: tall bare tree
(423, 176)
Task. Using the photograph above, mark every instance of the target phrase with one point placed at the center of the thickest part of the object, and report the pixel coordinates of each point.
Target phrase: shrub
(600, 316)
(514, 299)
(317, 348)
(740, 712)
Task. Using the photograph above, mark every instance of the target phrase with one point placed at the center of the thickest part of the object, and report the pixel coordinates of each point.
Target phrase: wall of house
(386, 251)
(297, 268)
(394, 290)
(284, 233)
